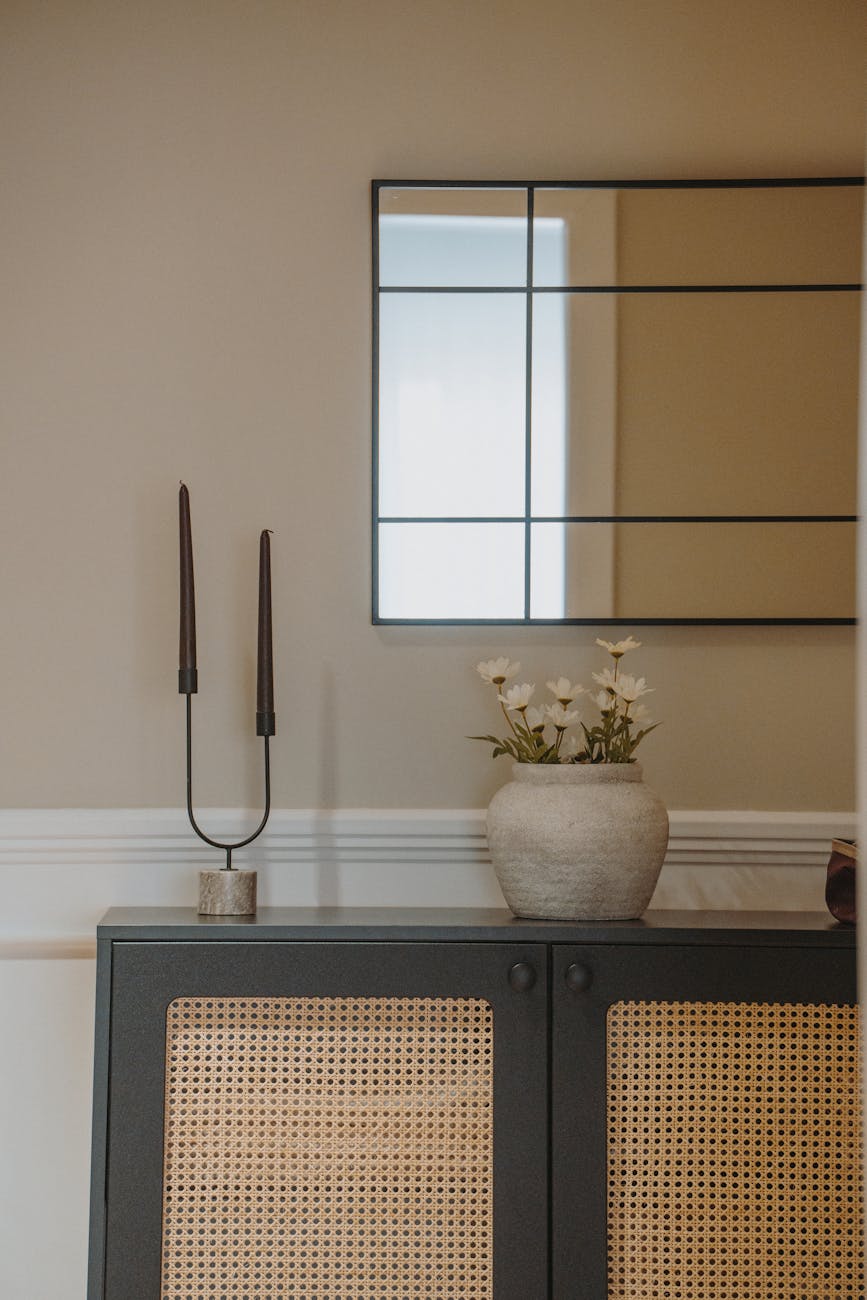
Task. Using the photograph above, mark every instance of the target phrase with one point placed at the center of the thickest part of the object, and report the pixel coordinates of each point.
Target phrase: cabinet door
(706, 1120)
(327, 1121)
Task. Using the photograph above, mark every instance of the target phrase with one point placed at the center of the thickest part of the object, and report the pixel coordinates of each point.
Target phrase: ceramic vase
(575, 841)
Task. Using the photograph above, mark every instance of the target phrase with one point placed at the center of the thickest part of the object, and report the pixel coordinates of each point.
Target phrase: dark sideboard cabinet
(461, 1105)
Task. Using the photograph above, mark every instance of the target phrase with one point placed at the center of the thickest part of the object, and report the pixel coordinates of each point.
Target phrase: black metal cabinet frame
(146, 977)
(550, 986)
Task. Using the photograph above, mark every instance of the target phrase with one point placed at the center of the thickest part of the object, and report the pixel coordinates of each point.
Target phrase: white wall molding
(162, 836)
(61, 868)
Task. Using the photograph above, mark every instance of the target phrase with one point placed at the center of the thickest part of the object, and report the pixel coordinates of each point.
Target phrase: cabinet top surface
(486, 925)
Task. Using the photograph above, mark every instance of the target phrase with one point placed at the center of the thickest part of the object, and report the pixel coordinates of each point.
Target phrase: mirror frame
(528, 620)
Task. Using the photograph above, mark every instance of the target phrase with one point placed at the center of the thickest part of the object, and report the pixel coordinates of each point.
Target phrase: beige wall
(184, 238)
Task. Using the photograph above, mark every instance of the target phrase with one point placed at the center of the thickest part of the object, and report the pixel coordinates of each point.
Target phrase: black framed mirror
(615, 403)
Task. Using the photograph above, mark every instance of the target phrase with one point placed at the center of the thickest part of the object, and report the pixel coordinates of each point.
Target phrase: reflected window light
(452, 402)
(451, 571)
(422, 249)
(413, 472)
(550, 434)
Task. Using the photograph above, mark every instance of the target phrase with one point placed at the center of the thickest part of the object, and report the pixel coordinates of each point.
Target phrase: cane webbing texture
(734, 1152)
(328, 1149)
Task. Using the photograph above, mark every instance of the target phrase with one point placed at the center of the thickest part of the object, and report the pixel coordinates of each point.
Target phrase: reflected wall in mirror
(616, 403)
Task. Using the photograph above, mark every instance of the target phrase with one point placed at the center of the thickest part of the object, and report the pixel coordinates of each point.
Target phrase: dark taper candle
(188, 678)
(266, 723)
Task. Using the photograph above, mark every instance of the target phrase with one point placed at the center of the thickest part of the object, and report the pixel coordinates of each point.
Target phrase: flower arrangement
(623, 722)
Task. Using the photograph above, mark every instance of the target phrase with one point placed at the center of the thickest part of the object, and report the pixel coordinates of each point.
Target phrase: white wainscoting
(60, 869)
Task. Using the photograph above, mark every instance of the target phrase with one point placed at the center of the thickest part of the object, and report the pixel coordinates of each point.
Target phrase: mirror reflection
(775, 234)
(451, 417)
(452, 236)
(616, 404)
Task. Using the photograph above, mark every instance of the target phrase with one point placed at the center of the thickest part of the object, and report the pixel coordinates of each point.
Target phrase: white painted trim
(61, 868)
(73, 836)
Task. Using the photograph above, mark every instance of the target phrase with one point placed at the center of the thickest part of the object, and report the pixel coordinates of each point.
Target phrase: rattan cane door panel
(329, 1147)
(326, 1121)
(734, 1151)
(707, 1102)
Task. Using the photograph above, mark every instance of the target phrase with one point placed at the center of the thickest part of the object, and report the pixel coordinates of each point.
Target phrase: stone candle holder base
(227, 893)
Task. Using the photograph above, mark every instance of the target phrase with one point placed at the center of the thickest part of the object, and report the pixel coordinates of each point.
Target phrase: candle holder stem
(237, 894)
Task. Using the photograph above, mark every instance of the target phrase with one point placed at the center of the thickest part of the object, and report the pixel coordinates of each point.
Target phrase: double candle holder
(227, 891)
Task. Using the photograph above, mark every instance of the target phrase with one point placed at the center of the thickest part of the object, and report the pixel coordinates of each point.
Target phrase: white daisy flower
(497, 671)
(603, 701)
(618, 648)
(561, 718)
(641, 714)
(563, 690)
(535, 719)
(607, 679)
(631, 688)
(518, 697)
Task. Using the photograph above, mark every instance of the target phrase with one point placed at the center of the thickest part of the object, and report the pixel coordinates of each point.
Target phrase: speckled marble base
(227, 893)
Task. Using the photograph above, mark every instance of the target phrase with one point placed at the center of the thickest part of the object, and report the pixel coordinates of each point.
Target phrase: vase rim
(575, 773)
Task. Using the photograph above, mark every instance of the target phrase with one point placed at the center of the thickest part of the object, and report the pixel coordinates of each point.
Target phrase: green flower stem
(520, 741)
(512, 727)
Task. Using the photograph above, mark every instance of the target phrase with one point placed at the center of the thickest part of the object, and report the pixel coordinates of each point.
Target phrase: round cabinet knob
(579, 977)
(522, 977)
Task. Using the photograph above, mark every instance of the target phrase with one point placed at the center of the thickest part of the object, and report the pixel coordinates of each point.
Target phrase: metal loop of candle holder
(228, 849)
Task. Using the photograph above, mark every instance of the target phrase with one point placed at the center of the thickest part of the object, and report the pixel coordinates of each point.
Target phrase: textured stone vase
(579, 842)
